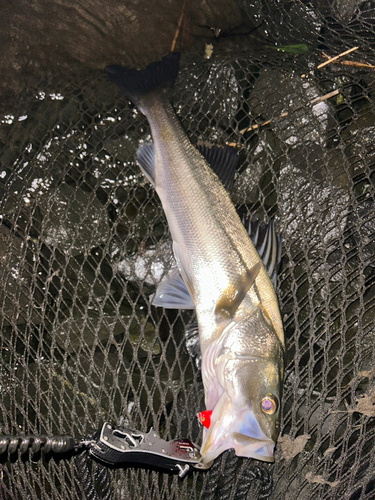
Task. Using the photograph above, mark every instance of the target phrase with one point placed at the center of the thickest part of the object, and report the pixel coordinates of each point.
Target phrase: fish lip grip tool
(121, 445)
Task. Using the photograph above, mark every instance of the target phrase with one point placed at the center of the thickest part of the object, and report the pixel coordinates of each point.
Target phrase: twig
(336, 57)
(178, 27)
(357, 64)
(314, 102)
(352, 63)
(317, 100)
(258, 125)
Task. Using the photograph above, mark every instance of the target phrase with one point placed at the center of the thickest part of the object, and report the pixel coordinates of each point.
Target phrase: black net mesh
(84, 243)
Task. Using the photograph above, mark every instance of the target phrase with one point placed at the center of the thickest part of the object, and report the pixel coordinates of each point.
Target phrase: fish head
(243, 391)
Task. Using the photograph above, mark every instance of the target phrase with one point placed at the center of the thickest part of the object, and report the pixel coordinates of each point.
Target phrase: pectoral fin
(146, 160)
(231, 298)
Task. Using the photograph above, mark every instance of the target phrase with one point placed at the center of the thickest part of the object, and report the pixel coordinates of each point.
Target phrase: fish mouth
(244, 446)
(261, 449)
(236, 428)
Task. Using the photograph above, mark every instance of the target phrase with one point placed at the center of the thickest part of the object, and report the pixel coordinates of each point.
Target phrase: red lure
(204, 418)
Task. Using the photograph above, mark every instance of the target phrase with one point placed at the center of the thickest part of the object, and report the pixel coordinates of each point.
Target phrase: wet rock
(92, 35)
(17, 303)
(361, 227)
(138, 218)
(89, 302)
(124, 149)
(142, 334)
(85, 330)
(313, 201)
(344, 10)
(98, 383)
(74, 221)
(96, 328)
(358, 136)
(290, 22)
(213, 96)
(360, 152)
(257, 175)
(293, 95)
(148, 266)
(52, 385)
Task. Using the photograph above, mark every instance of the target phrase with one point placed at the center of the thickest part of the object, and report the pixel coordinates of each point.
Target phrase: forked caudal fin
(158, 76)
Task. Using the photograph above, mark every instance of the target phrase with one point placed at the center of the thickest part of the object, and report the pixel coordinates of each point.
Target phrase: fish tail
(157, 77)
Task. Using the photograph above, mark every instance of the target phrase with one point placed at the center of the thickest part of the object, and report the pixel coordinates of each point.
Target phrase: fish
(219, 272)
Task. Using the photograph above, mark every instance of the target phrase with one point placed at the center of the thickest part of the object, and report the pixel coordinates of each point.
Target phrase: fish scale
(208, 206)
(240, 329)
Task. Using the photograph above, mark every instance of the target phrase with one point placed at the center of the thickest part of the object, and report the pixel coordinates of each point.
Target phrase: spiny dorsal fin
(267, 243)
(223, 161)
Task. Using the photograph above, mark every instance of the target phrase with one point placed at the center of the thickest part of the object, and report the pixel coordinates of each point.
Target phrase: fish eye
(269, 404)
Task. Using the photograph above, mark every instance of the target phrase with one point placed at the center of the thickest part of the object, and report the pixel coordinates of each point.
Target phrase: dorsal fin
(267, 243)
(222, 160)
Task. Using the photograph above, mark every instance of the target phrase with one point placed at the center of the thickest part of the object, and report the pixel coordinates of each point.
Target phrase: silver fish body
(240, 329)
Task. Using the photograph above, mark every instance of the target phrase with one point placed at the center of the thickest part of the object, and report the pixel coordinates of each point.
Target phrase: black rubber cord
(22, 444)
(96, 483)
